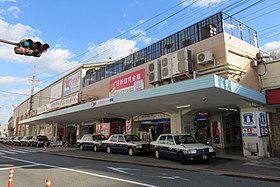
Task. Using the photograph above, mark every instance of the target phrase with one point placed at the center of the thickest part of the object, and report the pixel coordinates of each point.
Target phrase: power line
(248, 7)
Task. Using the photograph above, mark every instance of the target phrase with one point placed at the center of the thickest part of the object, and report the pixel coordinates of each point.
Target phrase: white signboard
(72, 84)
(58, 104)
(56, 91)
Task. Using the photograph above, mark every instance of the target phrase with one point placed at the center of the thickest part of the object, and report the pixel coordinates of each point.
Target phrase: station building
(201, 80)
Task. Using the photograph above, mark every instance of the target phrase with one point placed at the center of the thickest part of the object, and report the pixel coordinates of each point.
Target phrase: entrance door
(202, 132)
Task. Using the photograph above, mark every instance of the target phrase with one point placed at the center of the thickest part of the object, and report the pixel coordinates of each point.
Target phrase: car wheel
(95, 148)
(81, 147)
(109, 150)
(182, 158)
(157, 154)
(130, 152)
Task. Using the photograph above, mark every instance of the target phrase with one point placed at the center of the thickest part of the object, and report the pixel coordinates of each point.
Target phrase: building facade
(199, 80)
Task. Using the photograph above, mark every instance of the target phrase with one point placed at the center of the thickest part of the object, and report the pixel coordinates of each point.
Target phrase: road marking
(123, 170)
(24, 166)
(82, 172)
(18, 151)
(9, 152)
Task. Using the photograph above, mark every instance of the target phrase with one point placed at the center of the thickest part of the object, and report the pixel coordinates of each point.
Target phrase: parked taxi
(183, 147)
(125, 143)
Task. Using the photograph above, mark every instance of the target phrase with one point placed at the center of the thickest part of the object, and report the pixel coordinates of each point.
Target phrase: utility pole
(32, 90)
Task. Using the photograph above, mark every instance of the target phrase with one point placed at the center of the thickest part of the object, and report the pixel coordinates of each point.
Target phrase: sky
(81, 32)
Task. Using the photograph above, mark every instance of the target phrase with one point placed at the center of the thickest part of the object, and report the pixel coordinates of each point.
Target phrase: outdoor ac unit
(153, 70)
(166, 66)
(182, 61)
(204, 57)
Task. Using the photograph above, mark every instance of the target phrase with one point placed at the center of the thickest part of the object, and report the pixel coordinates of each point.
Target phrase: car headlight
(191, 151)
(211, 149)
(138, 146)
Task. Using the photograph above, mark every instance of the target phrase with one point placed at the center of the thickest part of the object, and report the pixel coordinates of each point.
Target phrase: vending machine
(254, 133)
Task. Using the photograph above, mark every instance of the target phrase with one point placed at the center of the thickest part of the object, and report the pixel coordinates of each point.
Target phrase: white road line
(24, 166)
(18, 151)
(30, 150)
(82, 172)
(2, 153)
(9, 152)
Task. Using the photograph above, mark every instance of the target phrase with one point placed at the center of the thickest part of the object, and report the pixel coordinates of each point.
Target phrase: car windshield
(129, 138)
(100, 137)
(184, 139)
(41, 138)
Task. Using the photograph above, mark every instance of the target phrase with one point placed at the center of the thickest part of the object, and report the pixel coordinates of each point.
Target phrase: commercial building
(200, 80)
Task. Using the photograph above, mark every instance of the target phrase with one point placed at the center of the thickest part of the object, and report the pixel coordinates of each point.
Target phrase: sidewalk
(224, 164)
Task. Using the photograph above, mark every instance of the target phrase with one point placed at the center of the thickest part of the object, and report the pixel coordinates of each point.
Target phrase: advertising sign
(128, 83)
(102, 102)
(128, 126)
(56, 91)
(249, 124)
(263, 124)
(72, 84)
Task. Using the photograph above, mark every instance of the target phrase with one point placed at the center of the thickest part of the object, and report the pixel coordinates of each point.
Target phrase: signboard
(56, 91)
(128, 83)
(263, 124)
(272, 96)
(72, 84)
(58, 104)
(200, 116)
(102, 102)
(249, 124)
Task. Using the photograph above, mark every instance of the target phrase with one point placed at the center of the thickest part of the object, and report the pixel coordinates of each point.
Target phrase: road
(33, 166)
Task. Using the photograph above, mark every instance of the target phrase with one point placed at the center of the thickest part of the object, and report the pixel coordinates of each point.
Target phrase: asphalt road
(33, 168)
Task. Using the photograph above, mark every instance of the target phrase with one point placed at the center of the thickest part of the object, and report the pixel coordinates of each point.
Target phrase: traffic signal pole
(8, 42)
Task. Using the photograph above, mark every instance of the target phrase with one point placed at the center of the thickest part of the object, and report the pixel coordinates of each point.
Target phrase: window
(114, 139)
(100, 74)
(162, 140)
(114, 68)
(169, 140)
(121, 139)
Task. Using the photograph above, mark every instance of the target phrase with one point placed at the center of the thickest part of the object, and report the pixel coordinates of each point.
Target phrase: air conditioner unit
(153, 69)
(166, 66)
(205, 57)
(182, 61)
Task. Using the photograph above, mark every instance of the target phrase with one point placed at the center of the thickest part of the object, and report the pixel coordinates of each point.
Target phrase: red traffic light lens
(44, 47)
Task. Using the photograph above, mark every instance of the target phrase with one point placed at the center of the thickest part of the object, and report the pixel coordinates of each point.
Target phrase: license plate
(203, 157)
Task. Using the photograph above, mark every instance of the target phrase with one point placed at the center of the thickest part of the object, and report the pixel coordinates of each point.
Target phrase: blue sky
(80, 31)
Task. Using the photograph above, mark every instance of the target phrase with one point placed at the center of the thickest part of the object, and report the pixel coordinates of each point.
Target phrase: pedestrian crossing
(14, 151)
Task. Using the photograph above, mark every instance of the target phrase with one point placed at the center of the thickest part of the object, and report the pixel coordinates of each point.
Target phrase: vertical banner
(249, 124)
(128, 126)
(216, 132)
(263, 129)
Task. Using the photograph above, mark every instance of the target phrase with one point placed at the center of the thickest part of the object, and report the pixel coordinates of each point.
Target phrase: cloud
(14, 80)
(270, 46)
(55, 60)
(140, 35)
(14, 11)
(5, 1)
(110, 50)
(230, 26)
(202, 3)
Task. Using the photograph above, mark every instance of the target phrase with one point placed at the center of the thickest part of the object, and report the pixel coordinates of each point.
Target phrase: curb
(221, 172)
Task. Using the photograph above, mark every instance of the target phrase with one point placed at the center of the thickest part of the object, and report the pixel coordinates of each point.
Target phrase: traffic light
(30, 48)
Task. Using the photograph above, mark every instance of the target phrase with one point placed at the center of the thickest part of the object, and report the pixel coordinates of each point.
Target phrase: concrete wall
(240, 53)
(271, 77)
(275, 132)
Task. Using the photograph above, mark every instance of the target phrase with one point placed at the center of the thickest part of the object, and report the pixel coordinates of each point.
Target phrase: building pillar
(176, 122)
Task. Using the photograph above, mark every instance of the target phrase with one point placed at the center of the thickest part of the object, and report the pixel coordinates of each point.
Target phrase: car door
(114, 143)
(87, 142)
(171, 151)
(122, 144)
(161, 145)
